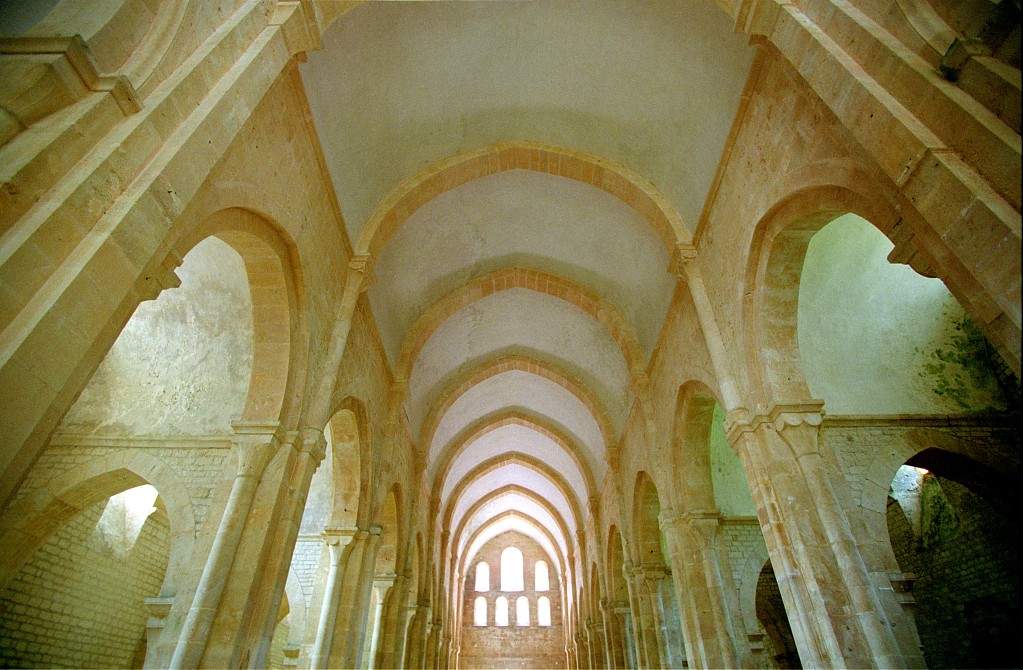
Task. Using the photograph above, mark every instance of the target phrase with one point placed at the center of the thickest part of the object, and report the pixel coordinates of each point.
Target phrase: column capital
(780, 417)
(385, 581)
(161, 278)
(338, 536)
(254, 443)
(359, 267)
(807, 413)
(682, 257)
(671, 518)
(312, 441)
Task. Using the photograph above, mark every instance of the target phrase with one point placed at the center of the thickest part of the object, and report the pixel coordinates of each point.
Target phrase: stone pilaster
(335, 541)
(709, 608)
(834, 610)
(614, 632)
(350, 633)
(253, 445)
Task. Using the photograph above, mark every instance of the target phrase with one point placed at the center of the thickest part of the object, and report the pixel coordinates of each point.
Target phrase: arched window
(479, 611)
(543, 611)
(501, 611)
(522, 611)
(482, 577)
(511, 570)
(542, 580)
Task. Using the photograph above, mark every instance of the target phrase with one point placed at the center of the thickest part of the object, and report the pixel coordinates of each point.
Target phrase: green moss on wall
(878, 338)
(967, 371)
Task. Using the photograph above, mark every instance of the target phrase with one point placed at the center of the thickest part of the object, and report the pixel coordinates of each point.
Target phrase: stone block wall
(78, 602)
(967, 588)
(199, 466)
(513, 646)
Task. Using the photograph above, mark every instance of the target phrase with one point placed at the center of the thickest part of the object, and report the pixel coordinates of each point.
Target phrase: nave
(619, 334)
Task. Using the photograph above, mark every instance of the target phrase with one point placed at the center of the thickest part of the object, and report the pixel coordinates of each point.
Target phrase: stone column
(382, 585)
(353, 606)
(393, 622)
(614, 635)
(836, 616)
(335, 541)
(253, 444)
(629, 640)
(582, 650)
(415, 648)
(404, 637)
(644, 592)
(433, 646)
(447, 652)
(709, 609)
(157, 608)
(595, 643)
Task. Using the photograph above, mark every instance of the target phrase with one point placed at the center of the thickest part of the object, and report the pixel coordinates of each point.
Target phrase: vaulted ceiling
(508, 296)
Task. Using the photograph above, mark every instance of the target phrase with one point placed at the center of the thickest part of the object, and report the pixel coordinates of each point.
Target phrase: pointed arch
(504, 459)
(352, 451)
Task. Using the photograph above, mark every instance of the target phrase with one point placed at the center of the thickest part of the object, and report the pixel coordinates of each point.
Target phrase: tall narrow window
(543, 611)
(522, 611)
(479, 611)
(542, 580)
(482, 577)
(511, 570)
(501, 611)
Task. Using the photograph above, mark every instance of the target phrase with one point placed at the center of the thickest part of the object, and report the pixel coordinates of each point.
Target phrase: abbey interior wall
(964, 559)
(512, 647)
(79, 601)
(263, 155)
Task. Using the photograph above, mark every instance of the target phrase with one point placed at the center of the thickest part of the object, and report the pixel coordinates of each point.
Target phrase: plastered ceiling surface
(520, 318)
(513, 473)
(520, 439)
(522, 219)
(522, 389)
(650, 85)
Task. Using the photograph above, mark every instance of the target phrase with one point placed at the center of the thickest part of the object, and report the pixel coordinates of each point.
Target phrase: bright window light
(541, 578)
(501, 611)
(521, 611)
(511, 570)
(543, 611)
(479, 611)
(482, 577)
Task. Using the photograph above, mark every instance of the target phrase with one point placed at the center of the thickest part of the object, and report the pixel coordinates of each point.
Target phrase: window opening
(543, 611)
(522, 611)
(479, 611)
(541, 578)
(482, 577)
(501, 611)
(511, 570)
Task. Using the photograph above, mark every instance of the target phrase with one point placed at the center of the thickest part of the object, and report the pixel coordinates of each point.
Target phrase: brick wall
(512, 646)
(967, 563)
(79, 603)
